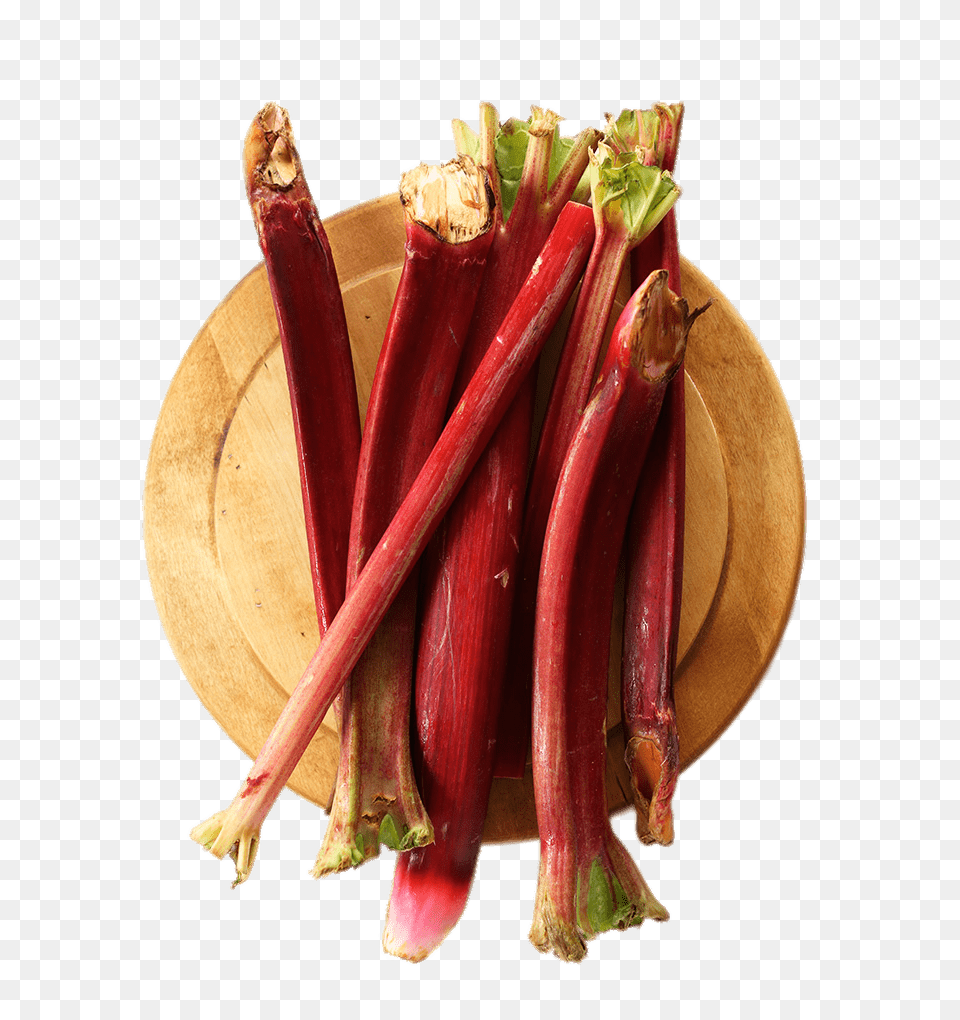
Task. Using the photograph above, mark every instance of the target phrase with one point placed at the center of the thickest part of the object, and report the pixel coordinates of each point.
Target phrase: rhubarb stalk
(316, 346)
(588, 882)
(448, 215)
(654, 574)
(469, 571)
(629, 200)
(512, 355)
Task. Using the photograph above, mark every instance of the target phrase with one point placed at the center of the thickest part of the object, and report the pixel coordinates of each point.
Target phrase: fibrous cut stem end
(610, 894)
(653, 761)
(454, 200)
(343, 849)
(543, 122)
(344, 855)
(551, 932)
(220, 836)
(660, 325)
(270, 156)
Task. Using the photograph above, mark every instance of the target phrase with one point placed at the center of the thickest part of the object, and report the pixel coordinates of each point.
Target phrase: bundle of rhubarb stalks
(464, 575)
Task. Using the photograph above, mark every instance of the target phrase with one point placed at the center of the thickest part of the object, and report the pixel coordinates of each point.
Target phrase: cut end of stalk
(342, 854)
(270, 156)
(543, 122)
(454, 200)
(653, 761)
(655, 325)
(221, 836)
(425, 906)
(610, 893)
(346, 847)
(552, 932)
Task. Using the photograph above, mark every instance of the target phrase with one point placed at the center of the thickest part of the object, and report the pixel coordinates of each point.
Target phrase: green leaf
(622, 134)
(510, 151)
(388, 833)
(627, 195)
(652, 134)
(562, 147)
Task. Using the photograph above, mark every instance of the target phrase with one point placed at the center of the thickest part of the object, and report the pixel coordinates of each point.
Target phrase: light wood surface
(227, 554)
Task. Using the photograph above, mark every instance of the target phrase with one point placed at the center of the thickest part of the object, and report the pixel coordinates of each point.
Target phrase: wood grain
(224, 533)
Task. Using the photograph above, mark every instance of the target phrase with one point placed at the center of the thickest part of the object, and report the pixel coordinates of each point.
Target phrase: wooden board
(226, 549)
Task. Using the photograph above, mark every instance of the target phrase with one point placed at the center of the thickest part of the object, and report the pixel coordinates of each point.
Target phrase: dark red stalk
(629, 201)
(316, 346)
(654, 578)
(512, 355)
(588, 882)
(448, 220)
(469, 572)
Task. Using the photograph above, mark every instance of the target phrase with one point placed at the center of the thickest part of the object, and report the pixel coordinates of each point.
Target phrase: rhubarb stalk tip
(454, 200)
(608, 893)
(270, 155)
(653, 761)
(627, 194)
(220, 837)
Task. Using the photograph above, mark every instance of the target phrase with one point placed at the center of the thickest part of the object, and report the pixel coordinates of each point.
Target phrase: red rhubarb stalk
(588, 883)
(654, 579)
(512, 355)
(448, 216)
(316, 346)
(654, 135)
(469, 571)
(629, 200)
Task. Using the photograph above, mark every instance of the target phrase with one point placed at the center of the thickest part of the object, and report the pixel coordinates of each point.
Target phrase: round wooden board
(226, 549)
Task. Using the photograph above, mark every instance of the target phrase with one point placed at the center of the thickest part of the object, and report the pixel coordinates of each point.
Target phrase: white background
(817, 841)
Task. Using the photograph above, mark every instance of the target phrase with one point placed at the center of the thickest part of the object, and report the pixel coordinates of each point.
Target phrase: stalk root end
(606, 893)
(344, 854)
(348, 844)
(270, 156)
(551, 933)
(222, 835)
(653, 760)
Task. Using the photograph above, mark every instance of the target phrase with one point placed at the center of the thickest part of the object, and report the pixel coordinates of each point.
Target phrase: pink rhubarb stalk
(469, 571)
(588, 883)
(448, 216)
(654, 579)
(236, 831)
(316, 346)
(629, 200)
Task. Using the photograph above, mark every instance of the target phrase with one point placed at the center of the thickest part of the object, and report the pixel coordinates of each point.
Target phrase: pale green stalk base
(552, 932)
(224, 834)
(349, 845)
(607, 892)
(376, 798)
